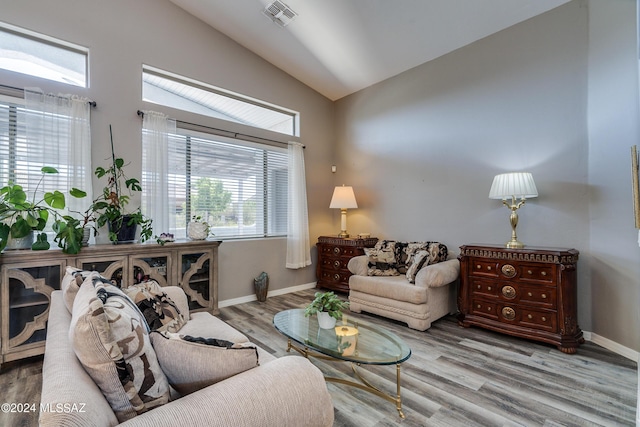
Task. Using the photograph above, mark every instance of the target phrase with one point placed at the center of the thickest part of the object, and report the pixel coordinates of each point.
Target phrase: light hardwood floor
(455, 377)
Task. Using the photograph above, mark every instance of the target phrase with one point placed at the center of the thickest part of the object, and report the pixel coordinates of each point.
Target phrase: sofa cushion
(382, 259)
(433, 253)
(71, 283)
(110, 338)
(160, 311)
(210, 360)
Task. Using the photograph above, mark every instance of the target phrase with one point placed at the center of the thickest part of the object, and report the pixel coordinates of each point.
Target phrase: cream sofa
(432, 296)
(287, 391)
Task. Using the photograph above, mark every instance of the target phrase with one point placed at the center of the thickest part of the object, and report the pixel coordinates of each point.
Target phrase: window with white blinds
(21, 162)
(238, 187)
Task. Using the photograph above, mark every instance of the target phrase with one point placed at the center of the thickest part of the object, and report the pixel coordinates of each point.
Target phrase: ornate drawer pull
(336, 276)
(544, 273)
(336, 263)
(508, 270)
(509, 292)
(508, 313)
(336, 250)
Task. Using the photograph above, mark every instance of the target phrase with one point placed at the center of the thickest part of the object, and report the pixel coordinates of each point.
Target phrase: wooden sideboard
(29, 277)
(334, 254)
(529, 293)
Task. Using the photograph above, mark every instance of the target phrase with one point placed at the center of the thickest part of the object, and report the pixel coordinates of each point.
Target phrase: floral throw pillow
(433, 253)
(382, 259)
(160, 312)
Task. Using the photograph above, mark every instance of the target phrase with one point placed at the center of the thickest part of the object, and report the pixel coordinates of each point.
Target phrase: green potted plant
(109, 206)
(19, 217)
(328, 308)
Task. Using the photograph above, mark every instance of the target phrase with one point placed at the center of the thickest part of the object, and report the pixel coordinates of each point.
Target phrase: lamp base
(343, 234)
(514, 244)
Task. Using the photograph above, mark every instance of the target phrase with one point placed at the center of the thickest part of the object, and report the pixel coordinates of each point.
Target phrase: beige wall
(122, 35)
(421, 150)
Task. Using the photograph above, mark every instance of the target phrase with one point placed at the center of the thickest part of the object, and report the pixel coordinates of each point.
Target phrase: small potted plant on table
(328, 307)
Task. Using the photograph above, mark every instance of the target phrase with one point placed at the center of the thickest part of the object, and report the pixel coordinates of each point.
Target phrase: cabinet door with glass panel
(198, 277)
(26, 294)
(114, 268)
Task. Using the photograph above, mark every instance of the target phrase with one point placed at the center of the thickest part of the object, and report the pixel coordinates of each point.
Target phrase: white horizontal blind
(21, 161)
(238, 187)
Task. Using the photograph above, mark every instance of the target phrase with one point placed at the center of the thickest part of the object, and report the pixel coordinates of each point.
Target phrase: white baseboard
(611, 345)
(274, 293)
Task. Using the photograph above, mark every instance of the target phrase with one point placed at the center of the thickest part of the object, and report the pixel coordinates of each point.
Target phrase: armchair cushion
(209, 360)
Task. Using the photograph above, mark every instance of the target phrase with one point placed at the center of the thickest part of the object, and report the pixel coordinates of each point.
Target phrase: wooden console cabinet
(27, 279)
(529, 293)
(334, 254)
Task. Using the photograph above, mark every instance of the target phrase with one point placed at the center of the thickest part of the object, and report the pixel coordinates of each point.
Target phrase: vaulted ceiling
(338, 47)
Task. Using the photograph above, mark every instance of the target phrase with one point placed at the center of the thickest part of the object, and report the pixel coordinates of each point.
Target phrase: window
(21, 162)
(238, 187)
(41, 56)
(160, 87)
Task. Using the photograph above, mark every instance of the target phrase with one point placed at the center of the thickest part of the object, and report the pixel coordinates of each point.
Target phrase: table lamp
(343, 199)
(513, 185)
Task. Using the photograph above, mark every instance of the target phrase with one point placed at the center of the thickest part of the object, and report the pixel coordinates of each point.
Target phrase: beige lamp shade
(517, 184)
(343, 198)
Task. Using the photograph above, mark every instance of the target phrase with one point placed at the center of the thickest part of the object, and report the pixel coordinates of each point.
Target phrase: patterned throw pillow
(435, 252)
(382, 259)
(70, 285)
(160, 312)
(111, 339)
(210, 360)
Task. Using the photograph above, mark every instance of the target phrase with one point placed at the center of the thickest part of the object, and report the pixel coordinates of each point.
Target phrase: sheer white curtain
(58, 130)
(157, 197)
(298, 251)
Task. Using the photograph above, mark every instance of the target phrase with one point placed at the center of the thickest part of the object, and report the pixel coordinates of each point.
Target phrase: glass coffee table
(356, 341)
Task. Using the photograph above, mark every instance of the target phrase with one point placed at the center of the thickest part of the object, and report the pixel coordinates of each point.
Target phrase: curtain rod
(227, 133)
(11, 91)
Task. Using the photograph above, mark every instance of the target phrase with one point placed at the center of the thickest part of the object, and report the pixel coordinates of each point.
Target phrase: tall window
(56, 142)
(238, 187)
(37, 55)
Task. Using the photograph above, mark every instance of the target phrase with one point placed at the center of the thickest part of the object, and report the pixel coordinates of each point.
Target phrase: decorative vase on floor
(325, 321)
(261, 284)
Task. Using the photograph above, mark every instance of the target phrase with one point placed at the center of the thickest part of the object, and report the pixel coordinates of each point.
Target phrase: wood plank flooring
(455, 377)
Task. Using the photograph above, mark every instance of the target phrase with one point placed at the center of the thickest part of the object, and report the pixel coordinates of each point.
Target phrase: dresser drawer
(334, 263)
(334, 277)
(515, 314)
(348, 251)
(483, 267)
(537, 273)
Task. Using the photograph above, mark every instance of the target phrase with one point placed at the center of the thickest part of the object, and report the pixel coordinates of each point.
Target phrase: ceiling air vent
(280, 13)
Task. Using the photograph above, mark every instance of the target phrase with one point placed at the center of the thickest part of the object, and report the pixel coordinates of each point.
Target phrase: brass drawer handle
(529, 294)
(478, 266)
(488, 288)
(336, 250)
(508, 313)
(336, 277)
(336, 263)
(479, 286)
(530, 316)
(529, 272)
(489, 268)
(508, 270)
(509, 292)
(544, 319)
(544, 273)
(544, 296)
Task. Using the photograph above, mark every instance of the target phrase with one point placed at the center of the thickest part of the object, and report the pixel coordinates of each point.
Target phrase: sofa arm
(288, 391)
(359, 265)
(440, 274)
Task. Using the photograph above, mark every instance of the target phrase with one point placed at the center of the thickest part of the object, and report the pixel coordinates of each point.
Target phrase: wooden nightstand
(334, 254)
(529, 293)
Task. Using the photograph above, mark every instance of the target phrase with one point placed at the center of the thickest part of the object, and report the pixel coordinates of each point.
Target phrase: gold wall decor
(634, 179)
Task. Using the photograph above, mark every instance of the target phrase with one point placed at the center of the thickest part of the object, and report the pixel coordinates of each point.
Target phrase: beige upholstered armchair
(432, 296)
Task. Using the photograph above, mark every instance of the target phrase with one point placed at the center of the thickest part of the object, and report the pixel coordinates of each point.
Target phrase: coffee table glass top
(354, 340)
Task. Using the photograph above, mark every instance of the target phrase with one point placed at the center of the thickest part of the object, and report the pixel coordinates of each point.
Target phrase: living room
(555, 95)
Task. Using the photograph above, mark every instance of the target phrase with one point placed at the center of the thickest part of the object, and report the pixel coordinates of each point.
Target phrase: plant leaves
(119, 163)
(77, 193)
(55, 199)
(49, 169)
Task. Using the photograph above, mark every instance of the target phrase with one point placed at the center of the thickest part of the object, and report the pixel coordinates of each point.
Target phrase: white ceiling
(338, 47)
